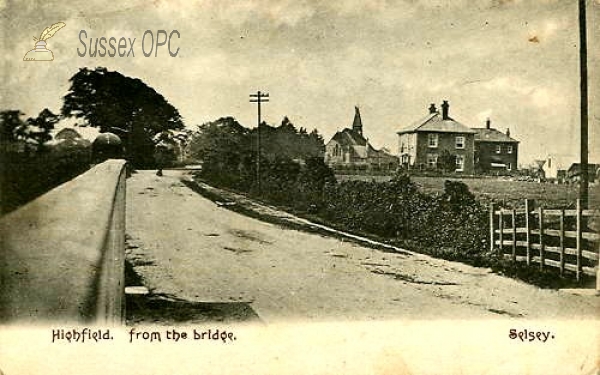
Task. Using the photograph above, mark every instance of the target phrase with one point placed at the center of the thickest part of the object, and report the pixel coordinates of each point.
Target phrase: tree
(39, 128)
(223, 146)
(286, 141)
(11, 126)
(447, 162)
(122, 105)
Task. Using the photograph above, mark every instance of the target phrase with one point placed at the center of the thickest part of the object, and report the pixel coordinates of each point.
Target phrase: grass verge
(548, 278)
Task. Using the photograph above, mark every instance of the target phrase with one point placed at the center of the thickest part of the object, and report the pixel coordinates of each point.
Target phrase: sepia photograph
(300, 187)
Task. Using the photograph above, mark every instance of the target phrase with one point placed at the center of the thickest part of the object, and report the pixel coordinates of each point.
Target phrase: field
(512, 193)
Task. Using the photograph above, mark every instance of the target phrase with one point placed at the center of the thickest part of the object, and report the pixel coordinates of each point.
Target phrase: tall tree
(123, 105)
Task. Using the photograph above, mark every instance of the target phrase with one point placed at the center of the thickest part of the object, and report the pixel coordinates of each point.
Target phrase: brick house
(495, 152)
(349, 148)
(424, 144)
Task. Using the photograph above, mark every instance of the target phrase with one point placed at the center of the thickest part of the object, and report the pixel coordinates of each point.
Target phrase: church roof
(349, 137)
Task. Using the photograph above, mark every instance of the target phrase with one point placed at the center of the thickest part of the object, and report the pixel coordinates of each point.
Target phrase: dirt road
(187, 247)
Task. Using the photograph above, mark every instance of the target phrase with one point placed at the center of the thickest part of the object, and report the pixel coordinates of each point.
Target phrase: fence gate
(563, 238)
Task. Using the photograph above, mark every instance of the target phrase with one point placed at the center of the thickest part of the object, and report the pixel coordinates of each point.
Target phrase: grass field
(513, 193)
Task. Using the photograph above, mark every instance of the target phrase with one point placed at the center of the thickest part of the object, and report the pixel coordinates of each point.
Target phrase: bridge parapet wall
(62, 255)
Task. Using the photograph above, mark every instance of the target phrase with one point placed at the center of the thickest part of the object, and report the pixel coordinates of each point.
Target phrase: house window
(460, 142)
(508, 166)
(432, 161)
(498, 149)
(433, 140)
(509, 149)
(460, 163)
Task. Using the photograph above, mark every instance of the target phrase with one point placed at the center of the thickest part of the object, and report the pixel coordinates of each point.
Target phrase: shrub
(453, 224)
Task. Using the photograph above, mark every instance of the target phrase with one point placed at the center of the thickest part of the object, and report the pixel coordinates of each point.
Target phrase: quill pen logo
(40, 52)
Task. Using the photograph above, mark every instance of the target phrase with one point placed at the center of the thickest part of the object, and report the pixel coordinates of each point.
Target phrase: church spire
(357, 124)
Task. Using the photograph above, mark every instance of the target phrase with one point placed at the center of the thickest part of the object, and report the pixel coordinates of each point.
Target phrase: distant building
(495, 152)
(349, 148)
(555, 167)
(574, 172)
(422, 144)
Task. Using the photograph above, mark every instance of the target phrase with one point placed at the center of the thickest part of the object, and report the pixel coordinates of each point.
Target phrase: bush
(452, 224)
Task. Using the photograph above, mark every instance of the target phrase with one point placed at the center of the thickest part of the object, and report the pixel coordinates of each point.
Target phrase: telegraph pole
(583, 185)
(259, 97)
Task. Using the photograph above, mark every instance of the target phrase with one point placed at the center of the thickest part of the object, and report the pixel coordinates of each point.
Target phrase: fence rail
(547, 237)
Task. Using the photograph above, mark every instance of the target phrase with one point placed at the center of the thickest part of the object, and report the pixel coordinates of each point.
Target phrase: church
(349, 149)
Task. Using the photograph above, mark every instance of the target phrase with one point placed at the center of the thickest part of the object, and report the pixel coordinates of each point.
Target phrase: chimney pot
(488, 122)
(507, 132)
(432, 108)
(445, 107)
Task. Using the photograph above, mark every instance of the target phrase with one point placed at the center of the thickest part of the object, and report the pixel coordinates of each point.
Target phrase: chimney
(507, 132)
(432, 109)
(445, 107)
(488, 122)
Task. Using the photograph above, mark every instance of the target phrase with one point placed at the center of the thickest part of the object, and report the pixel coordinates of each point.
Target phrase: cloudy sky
(515, 61)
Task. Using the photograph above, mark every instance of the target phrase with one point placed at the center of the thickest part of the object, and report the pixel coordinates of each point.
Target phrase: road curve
(194, 250)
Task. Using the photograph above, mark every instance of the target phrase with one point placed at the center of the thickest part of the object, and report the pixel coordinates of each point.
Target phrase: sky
(514, 61)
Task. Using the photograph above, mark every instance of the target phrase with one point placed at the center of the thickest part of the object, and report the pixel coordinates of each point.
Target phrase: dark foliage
(25, 176)
(40, 127)
(122, 105)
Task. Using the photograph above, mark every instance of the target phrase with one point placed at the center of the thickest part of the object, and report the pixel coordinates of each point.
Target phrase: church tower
(357, 124)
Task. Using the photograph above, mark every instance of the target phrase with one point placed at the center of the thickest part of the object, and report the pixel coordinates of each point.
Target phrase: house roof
(434, 122)
(575, 168)
(557, 161)
(492, 135)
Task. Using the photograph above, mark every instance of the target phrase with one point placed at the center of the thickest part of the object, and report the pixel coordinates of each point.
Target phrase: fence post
(501, 234)
(514, 224)
(562, 241)
(492, 227)
(541, 220)
(579, 229)
(528, 204)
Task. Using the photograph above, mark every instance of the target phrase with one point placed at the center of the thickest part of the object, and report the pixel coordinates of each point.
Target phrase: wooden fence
(547, 237)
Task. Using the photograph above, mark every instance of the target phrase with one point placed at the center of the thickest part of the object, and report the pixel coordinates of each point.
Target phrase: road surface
(187, 247)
